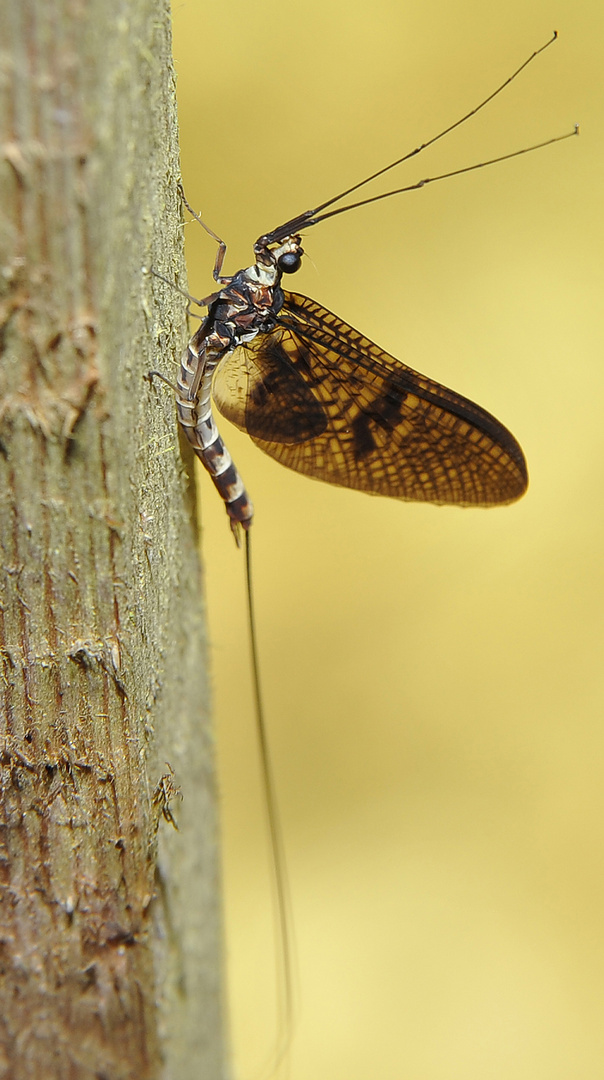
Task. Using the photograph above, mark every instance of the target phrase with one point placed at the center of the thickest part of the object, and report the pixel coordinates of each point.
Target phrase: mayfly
(322, 399)
(319, 397)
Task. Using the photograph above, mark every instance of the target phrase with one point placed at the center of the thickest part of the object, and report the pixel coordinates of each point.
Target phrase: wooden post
(109, 924)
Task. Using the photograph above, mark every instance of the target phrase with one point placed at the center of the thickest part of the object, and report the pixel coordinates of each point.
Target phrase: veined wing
(324, 400)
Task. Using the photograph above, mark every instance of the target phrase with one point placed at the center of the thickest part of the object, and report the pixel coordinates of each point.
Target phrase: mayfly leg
(220, 254)
(204, 302)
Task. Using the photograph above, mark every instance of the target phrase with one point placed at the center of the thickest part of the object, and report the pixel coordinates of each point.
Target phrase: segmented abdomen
(194, 405)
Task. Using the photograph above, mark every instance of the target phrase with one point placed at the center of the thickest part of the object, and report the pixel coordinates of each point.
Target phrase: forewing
(336, 407)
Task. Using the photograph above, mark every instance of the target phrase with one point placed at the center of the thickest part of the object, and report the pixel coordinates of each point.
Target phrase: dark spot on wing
(362, 436)
(281, 406)
(262, 391)
(384, 411)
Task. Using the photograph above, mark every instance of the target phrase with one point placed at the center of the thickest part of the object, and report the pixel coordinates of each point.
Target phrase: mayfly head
(283, 253)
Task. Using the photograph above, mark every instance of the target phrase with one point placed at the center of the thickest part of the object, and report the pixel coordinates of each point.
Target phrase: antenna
(312, 217)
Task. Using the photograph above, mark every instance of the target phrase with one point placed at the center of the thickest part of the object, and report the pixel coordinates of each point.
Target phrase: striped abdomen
(194, 404)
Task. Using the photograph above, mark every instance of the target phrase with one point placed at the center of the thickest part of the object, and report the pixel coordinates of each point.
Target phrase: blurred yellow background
(433, 677)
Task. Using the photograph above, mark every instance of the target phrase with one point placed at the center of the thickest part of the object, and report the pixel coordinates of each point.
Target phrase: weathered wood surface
(109, 924)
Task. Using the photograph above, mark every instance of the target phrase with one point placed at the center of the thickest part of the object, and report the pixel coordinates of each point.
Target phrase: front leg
(220, 254)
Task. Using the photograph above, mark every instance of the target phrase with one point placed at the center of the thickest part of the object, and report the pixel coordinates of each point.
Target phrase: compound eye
(289, 262)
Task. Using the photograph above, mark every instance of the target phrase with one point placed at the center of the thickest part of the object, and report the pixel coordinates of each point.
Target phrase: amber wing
(324, 400)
